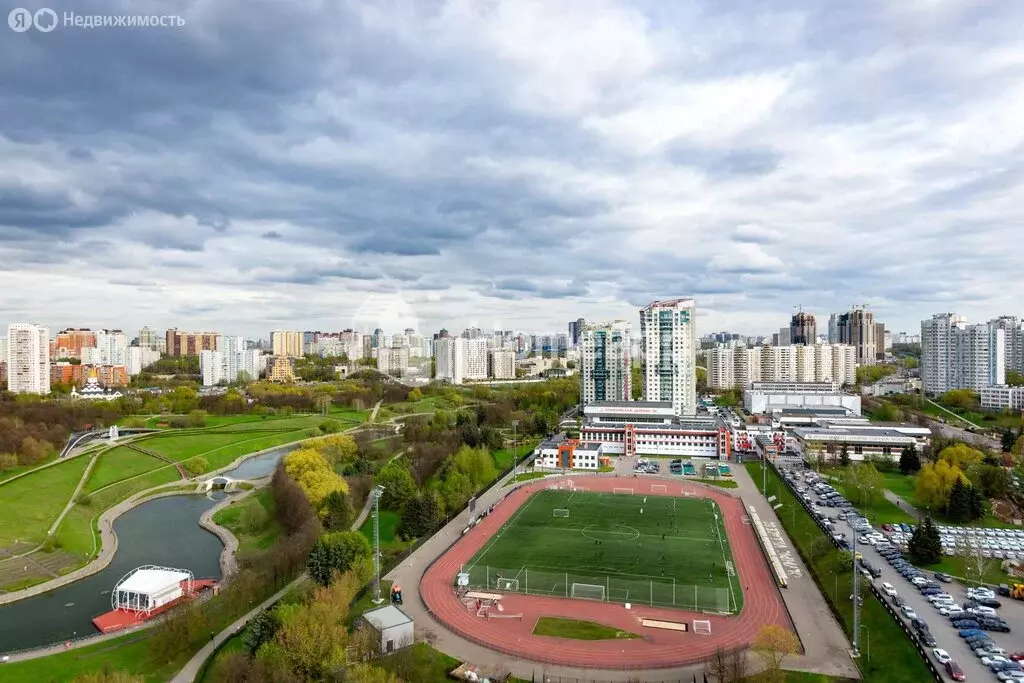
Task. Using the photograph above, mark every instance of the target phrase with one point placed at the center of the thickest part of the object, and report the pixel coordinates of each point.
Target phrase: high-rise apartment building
(150, 339)
(669, 332)
(69, 342)
(1013, 333)
(803, 329)
(228, 362)
(393, 361)
(955, 355)
(110, 347)
(575, 330)
(458, 359)
(880, 347)
(502, 363)
(730, 368)
(28, 359)
(605, 362)
(180, 343)
(856, 328)
(286, 343)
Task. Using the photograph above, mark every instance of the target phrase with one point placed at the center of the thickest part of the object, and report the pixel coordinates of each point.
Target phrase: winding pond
(163, 532)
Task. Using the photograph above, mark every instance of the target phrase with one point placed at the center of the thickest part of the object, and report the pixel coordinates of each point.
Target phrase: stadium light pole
(515, 448)
(375, 494)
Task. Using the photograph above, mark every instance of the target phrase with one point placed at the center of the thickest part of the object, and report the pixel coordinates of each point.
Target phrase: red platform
(120, 619)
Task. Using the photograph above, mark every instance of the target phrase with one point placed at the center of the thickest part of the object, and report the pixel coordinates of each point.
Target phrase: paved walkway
(826, 648)
(902, 504)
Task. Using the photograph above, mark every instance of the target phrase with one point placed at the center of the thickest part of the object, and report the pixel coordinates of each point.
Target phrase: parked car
(941, 656)
(965, 624)
(888, 589)
(944, 578)
(954, 671)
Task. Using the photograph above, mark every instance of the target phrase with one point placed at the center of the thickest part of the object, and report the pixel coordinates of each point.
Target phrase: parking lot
(842, 518)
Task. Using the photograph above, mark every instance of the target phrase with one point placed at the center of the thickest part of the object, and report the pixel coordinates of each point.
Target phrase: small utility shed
(394, 626)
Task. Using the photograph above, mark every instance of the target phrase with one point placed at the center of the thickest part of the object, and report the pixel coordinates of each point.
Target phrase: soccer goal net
(508, 585)
(588, 591)
(659, 488)
(559, 512)
(617, 490)
(702, 627)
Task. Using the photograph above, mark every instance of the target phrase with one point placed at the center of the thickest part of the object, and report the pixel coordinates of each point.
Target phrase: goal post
(560, 512)
(702, 626)
(618, 490)
(659, 488)
(588, 591)
(511, 585)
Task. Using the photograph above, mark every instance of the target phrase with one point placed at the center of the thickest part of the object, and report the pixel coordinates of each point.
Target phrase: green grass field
(389, 520)
(655, 550)
(238, 519)
(578, 630)
(31, 504)
(120, 463)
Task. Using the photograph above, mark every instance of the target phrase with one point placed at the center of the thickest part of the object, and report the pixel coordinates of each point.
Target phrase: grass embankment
(251, 520)
(128, 654)
(389, 521)
(525, 476)
(880, 511)
(721, 483)
(504, 457)
(893, 657)
(30, 504)
(579, 630)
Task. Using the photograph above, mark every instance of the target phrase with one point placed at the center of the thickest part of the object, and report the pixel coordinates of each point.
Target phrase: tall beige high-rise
(286, 343)
(669, 332)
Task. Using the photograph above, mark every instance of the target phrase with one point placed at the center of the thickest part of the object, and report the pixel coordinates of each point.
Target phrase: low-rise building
(826, 439)
(892, 385)
(280, 369)
(570, 454)
(765, 397)
(651, 428)
(394, 628)
(1002, 397)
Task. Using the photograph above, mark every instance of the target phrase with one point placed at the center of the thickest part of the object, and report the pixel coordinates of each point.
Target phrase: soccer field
(618, 547)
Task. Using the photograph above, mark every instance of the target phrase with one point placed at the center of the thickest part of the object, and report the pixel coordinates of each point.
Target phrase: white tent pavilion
(146, 588)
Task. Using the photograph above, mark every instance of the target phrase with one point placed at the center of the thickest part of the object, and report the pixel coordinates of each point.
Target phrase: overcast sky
(315, 165)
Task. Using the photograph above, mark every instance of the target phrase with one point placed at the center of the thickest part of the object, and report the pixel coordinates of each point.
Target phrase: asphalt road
(945, 635)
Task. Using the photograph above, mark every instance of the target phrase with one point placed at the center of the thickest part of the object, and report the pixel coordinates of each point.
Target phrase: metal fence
(657, 591)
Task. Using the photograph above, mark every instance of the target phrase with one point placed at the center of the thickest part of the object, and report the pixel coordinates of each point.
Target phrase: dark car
(919, 625)
(965, 624)
(1000, 627)
(988, 602)
(930, 591)
(954, 671)
(927, 639)
(968, 632)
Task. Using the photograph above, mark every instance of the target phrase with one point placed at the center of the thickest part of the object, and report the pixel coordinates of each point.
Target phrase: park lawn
(901, 484)
(228, 647)
(77, 532)
(127, 653)
(608, 546)
(882, 511)
(427, 664)
(365, 601)
(120, 463)
(284, 423)
(893, 656)
(503, 457)
(233, 519)
(956, 566)
(21, 469)
(389, 520)
(30, 504)
(578, 629)
(179, 447)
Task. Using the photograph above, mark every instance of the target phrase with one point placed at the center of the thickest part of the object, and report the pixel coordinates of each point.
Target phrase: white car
(952, 611)
(919, 580)
(941, 656)
(995, 659)
(909, 613)
(888, 589)
(981, 610)
(981, 593)
(939, 597)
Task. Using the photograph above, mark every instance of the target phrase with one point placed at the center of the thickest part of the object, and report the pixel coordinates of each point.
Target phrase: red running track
(657, 648)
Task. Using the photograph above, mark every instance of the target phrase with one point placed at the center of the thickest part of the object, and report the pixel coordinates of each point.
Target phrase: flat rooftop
(153, 580)
(661, 405)
(786, 410)
(851, 433)
(386, 617)
(589, 446)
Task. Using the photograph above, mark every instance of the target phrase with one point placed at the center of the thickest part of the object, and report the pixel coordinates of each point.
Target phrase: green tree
(337, 511)
(910, 461)
(637, 382)
(456, 488)
(1014, 378)
(419, 516)
(864, 483)
(335, 553)
(399, 486)
(1008, 438)
(963, 399)
(414, 395)
(844, 455)
(925, 544)
(959, 509)
(261, 629)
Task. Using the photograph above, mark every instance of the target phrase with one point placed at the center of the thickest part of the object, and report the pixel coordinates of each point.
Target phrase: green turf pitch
(652, 550)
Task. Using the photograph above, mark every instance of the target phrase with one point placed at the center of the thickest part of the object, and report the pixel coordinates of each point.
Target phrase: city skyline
(751, 157)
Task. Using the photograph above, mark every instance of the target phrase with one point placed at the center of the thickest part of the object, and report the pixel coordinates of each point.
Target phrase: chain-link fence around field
(657, 591)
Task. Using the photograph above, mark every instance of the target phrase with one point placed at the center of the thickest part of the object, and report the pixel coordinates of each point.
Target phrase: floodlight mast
(375, 495)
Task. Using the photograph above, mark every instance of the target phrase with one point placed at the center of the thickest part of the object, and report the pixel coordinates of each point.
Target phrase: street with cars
(968, 632)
